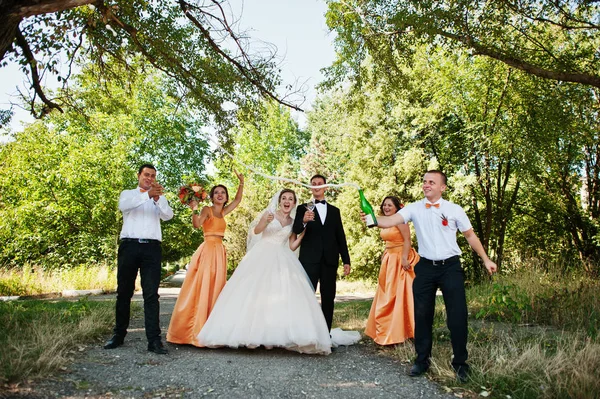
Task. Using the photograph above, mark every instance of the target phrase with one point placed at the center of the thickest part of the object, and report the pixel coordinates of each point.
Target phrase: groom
(323, 243)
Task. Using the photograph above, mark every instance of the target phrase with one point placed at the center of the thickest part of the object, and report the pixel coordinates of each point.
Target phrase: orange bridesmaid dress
(204, 280)
(392, 318)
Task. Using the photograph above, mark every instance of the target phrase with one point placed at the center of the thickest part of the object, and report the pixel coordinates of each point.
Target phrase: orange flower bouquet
(192, 192)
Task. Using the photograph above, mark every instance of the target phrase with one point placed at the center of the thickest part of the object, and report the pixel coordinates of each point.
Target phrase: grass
(536, 337)
(38, 337)
(532, 335)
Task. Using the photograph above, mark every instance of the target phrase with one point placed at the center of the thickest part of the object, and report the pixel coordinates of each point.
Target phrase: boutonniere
(444, 220)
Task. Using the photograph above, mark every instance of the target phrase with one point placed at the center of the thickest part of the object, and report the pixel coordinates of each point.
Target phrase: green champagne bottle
(367, 209)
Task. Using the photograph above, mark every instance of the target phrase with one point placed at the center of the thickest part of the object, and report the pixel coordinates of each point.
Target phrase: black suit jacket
(322, 240)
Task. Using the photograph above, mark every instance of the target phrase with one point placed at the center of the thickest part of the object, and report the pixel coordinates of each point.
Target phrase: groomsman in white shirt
(436, 222)
(140, 248)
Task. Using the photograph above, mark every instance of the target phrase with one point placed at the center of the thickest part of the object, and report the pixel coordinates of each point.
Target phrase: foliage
(535, 297)
(478, 121)
(506, 302)
(547, 39)
(270, 142)
(61, 177)
(357, 139)
(520, 149)
(37, 335)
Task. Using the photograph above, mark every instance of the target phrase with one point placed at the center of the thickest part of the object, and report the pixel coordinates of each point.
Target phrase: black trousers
(449, 277)
(147, 258)
(327, 276)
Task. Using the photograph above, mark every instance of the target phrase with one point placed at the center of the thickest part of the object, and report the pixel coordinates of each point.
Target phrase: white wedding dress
(269, 301)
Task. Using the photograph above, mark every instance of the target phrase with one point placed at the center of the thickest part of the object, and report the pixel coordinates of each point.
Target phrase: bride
(269, 300)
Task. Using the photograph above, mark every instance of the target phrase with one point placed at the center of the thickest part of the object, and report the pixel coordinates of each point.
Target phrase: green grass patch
(39, 337)
(351, 315)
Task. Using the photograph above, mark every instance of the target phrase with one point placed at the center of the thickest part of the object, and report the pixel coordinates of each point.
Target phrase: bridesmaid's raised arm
(238, 195)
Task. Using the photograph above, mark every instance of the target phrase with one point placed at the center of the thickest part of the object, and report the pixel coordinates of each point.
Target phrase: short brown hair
(319, 176)
(439, 172)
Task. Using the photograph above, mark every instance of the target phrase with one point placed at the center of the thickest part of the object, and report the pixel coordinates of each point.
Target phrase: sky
(296, 27)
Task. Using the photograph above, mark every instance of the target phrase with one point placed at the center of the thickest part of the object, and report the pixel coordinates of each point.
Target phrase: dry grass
(510, 358)
(351, 315)
(31, 281)
(357, 287)
(39, 337)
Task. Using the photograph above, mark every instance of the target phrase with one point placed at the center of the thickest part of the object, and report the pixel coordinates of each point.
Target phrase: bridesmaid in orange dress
(207, 271)
(392, 319)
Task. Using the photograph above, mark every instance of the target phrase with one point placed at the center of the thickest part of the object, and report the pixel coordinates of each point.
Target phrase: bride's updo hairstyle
(212, 192)
(287, 190)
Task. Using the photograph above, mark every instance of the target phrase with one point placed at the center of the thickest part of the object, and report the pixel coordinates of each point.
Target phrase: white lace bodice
(277, 234)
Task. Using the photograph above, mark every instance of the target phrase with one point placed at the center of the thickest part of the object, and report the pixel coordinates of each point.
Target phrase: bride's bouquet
(192, 192)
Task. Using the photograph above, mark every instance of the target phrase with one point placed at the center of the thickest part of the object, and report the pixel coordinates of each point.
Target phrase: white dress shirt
(322, 210)
(436, 228)
(142, 215)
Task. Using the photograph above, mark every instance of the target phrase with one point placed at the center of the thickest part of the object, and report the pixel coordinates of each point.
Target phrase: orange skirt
(392, 318)
(205, 278)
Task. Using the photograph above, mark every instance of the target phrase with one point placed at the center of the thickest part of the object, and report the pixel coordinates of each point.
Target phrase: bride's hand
(270, 217)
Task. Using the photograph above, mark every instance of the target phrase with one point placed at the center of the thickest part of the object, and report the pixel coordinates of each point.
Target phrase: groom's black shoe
(157, 347)
(114, 342)
(462, 373)
(418, 369)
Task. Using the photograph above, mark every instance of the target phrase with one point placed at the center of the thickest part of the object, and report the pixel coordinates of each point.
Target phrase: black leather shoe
(157, 347)
(114, 342)
(462, 374)
(417, 369)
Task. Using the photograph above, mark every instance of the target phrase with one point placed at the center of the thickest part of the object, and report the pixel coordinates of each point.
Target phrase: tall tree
(60, 178)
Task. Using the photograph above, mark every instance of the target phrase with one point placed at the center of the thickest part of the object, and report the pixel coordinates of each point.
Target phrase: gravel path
(130, 371)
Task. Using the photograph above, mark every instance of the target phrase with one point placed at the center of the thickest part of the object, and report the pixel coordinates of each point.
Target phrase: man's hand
(490, 266)
(156, 190)
(346, 269)
(309, 216)
(363, 217)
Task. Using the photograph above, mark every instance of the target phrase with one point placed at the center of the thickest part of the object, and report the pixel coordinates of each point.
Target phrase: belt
(141, 240)
(443, 261)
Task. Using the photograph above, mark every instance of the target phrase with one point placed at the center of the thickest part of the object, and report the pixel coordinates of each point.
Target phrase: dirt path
(131, 371)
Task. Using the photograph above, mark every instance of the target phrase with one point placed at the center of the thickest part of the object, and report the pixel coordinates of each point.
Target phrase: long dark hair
(212, 192)
(394, 200)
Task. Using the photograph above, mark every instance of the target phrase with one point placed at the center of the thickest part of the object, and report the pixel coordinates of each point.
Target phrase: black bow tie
(320, 202)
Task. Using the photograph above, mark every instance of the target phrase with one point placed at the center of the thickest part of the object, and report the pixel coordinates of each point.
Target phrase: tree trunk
(12, 13)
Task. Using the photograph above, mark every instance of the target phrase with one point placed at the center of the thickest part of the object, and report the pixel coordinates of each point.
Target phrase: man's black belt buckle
(140, 240)
(443, 261)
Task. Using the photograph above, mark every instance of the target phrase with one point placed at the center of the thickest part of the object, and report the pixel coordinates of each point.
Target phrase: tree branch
(185, 7)
(35, 77)
(30, 8)
(523, 65)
